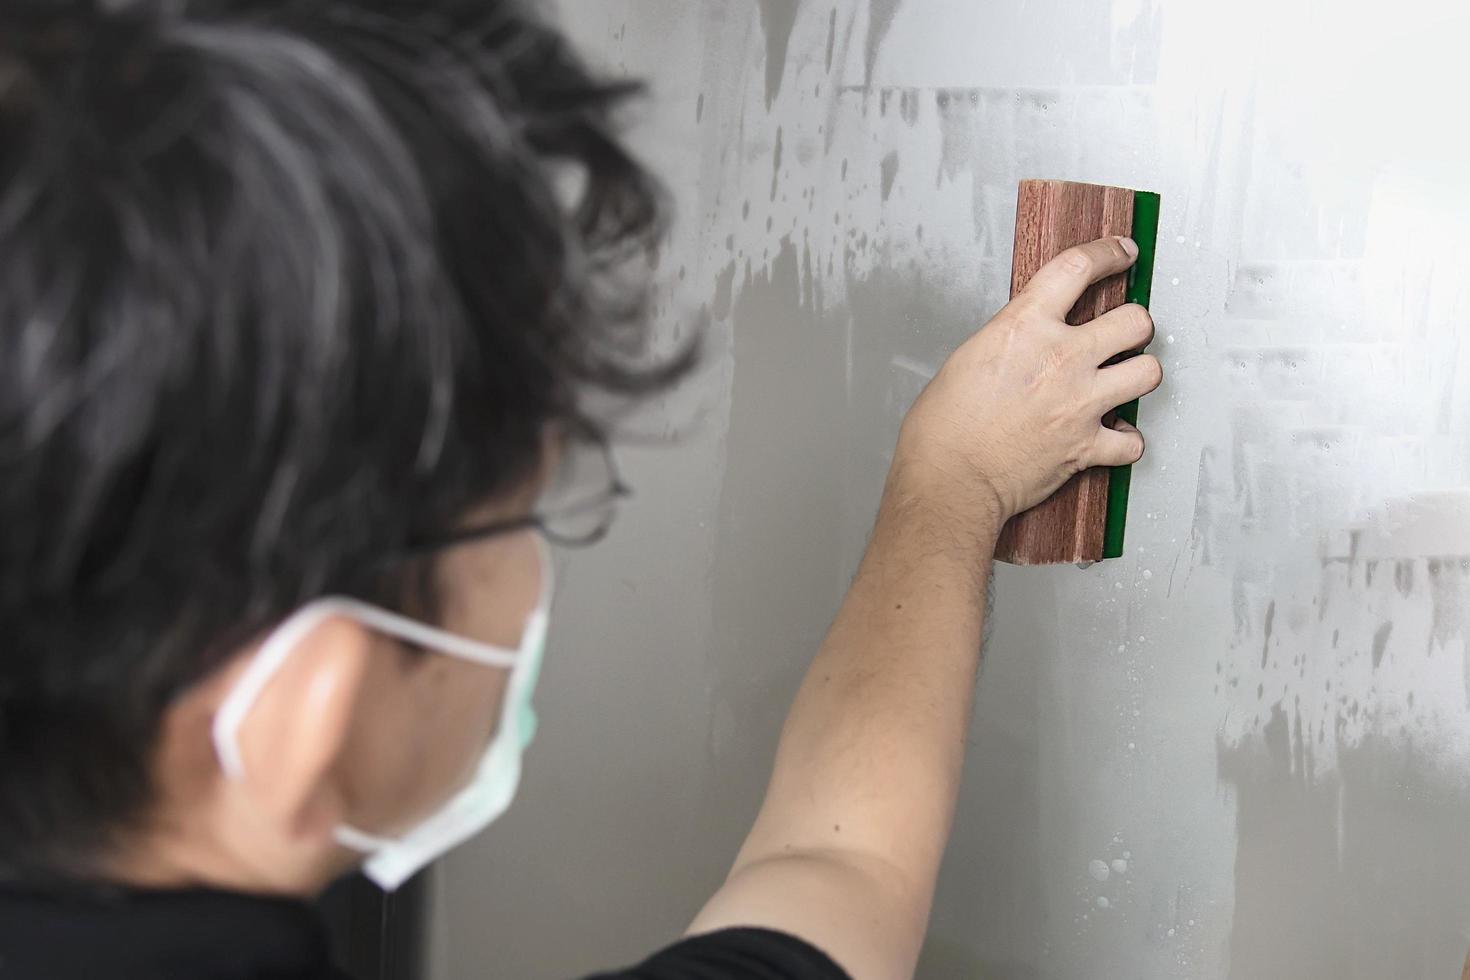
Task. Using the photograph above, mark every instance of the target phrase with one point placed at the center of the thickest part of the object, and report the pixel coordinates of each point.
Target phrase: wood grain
(1051, 216)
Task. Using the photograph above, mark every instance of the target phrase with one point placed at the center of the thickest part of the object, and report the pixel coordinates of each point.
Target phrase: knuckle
(1076, 261)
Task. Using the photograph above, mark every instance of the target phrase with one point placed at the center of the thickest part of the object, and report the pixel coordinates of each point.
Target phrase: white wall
(1261, 710)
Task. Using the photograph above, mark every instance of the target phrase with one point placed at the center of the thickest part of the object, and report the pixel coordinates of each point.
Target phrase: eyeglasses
(576, 509)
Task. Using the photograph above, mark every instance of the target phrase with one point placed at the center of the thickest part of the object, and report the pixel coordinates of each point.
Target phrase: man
(305, 307)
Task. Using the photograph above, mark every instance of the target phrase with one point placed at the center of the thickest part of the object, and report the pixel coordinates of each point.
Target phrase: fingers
(1120, 383)
(1120, 445)
(1057, 285)
(1128, 328)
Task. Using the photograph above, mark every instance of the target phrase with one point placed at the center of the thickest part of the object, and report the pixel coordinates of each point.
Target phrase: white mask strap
(285, 638)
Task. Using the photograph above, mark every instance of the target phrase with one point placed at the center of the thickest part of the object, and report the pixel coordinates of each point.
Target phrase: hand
(1017, 409)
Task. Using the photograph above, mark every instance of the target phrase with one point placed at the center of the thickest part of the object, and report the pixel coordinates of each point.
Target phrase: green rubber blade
(1140, 288)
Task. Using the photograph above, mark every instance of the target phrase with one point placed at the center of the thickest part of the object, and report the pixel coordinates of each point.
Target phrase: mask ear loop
(284, 640)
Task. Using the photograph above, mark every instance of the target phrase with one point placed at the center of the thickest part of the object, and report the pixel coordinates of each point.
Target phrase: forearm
(846, 849)
(870, 758)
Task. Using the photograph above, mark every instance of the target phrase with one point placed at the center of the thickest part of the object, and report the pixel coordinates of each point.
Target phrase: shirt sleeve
(735, 954)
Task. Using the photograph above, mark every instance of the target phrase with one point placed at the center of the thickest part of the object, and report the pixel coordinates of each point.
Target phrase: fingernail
(1129, 246)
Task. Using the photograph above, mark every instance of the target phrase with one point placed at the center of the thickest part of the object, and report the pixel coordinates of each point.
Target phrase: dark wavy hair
(284, 287)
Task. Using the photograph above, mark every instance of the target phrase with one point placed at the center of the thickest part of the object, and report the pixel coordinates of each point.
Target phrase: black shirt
(209, 935)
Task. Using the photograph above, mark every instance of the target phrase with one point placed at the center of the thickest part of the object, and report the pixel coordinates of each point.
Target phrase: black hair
(284, 287)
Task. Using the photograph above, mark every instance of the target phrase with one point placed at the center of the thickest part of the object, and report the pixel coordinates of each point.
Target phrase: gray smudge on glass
(831, 40)
(1380, 643)
(889, 170)
(778, 18)
(776, 163)
(880, 19)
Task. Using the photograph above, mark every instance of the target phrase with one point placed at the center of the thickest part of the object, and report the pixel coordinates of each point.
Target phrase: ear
(297, 731)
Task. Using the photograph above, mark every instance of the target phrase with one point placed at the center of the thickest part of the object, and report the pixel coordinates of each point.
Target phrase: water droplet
(1147, 574)
(1102, 901)
(1174, 281)
(1180, 239)
(1169, 339)
(1098, 869)
(1119, 866)
(1171, 932)
(1127, 855)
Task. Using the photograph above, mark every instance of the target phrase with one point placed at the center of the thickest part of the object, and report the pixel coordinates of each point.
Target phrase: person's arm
(847, 846)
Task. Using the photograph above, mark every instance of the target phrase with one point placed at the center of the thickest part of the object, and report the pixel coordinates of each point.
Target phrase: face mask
(393, 860)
